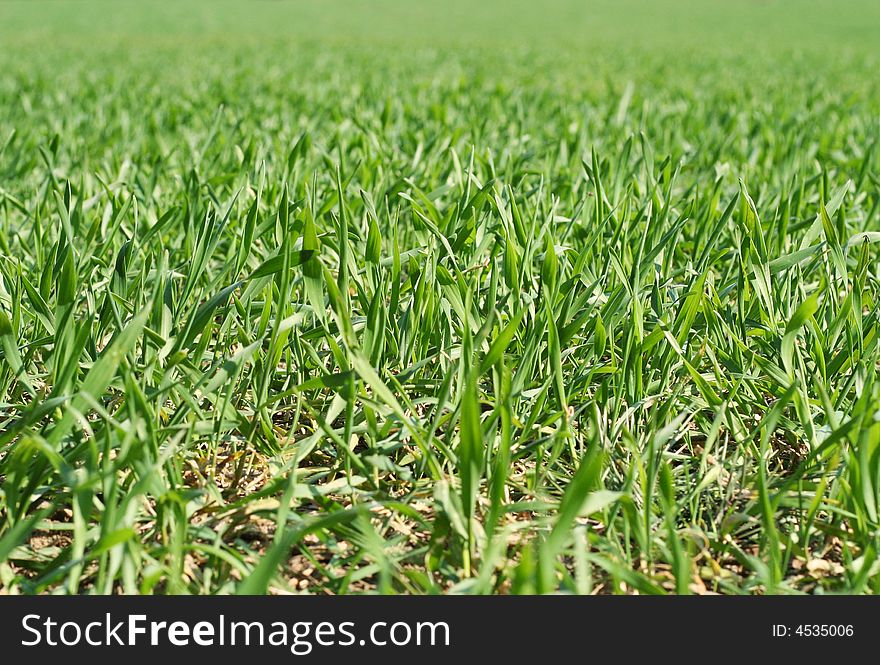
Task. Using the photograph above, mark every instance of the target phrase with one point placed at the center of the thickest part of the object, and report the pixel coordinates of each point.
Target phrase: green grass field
(354, 296)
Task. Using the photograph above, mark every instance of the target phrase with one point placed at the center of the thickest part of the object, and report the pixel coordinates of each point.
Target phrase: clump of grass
(327, 319)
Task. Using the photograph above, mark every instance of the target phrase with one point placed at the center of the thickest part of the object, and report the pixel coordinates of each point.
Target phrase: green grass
(404, 297)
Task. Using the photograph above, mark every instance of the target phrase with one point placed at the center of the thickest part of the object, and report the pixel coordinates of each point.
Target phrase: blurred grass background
(737, 25)
(589, 46)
